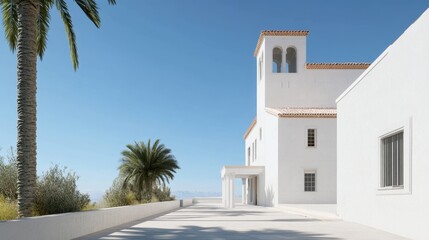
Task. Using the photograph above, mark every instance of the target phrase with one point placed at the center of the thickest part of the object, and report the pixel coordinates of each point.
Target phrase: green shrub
(163, 193)
(92, 206)
(117, 196)
(56, 192)
(8, 176)
(8, 209)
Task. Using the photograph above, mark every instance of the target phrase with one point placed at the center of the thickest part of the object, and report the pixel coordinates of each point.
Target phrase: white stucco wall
(283, 157)
(306, 87)
(266, 155)
(260, 81)
(310, 88)
(392, 94)
(72, 225)
(295, 157)
(269, 151)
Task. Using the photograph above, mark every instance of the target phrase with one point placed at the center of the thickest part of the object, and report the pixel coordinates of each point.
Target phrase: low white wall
(186, 202)
(73, 225)
(207, 200)
(213, 200)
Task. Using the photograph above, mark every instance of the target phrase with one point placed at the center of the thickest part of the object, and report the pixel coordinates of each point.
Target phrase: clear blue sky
(182, 71)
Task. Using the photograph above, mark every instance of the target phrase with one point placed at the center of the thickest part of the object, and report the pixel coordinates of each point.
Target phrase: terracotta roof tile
(278, 33)
(303, 112)
(347, 65)
(252, 125)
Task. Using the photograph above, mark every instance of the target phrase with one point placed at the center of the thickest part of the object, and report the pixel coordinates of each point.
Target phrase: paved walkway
(210, 221)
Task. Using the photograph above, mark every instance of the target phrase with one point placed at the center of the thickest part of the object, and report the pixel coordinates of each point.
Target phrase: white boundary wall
(187, 202)
(73, 225)
(207, 200)
(391, 96)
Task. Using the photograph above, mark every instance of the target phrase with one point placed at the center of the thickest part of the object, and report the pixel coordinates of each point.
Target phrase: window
(260, 134)
(253, 152)
(256, 154)
(392, 161)
(311, 137)
(309, 181)
(261, 65)
(248, 156)
(291, 60)
(277, 60)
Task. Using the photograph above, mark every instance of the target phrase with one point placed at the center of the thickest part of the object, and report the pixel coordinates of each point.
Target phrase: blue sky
(181, 71)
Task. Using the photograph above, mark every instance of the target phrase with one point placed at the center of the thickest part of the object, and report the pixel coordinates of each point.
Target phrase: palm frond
(90, 8)
(43, 26)
(10, 22)
(68, 25)
(112, 2)
(147, 165)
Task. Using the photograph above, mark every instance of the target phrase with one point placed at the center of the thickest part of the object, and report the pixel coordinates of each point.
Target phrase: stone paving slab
(211, 221)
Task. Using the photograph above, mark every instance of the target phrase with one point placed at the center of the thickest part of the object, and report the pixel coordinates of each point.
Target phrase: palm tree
(145, 165)
(26, 24)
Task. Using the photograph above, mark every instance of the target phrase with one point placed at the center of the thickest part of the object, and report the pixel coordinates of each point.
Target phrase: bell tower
(280, 55)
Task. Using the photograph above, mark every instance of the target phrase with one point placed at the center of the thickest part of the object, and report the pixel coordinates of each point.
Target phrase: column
(231, 190)
(243, 191)
(228, 190)
(223, 191)
(226, 182)
(283, 62)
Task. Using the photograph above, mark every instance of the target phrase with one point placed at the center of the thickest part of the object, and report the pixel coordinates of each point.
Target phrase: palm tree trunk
(150, 191)
(27, 71)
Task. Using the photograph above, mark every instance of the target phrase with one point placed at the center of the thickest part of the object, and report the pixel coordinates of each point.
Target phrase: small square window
(309, 181)
(311, 137)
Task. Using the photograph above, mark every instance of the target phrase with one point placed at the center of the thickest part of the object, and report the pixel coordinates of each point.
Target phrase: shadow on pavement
(196, 232)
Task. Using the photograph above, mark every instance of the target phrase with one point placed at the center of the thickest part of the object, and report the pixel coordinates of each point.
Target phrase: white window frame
(404, 126)
(311, 171)
(383, 162)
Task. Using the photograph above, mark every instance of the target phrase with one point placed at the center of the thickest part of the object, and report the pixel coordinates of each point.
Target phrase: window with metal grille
(309, 181)
(392, 161)
(311, 137)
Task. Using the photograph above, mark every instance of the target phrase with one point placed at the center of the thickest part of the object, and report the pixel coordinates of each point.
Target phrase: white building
(383, 120)
(290, 147)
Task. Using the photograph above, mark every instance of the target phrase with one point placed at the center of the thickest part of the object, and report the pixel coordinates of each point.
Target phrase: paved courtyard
(211, 221)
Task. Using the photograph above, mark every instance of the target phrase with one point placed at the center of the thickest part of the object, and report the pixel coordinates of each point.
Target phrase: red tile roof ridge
(278, 33)
(338, 65)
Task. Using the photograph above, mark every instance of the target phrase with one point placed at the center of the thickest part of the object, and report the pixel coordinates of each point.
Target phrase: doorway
(253, 191)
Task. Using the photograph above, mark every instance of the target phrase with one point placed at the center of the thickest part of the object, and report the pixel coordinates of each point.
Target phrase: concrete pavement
(211, 221)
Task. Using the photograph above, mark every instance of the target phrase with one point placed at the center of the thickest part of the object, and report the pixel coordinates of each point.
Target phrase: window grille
(310, 182)
(311, 137)
(392, 161)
